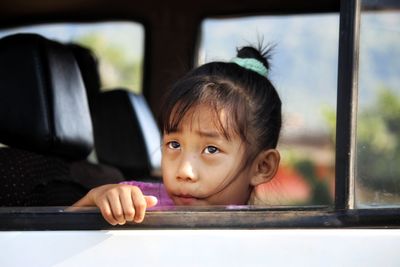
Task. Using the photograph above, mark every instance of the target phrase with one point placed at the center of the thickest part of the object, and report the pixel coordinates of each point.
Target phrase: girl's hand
(118, 203)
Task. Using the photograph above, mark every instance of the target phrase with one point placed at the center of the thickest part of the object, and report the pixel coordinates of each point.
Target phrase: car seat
(126, 135)
(44, 122)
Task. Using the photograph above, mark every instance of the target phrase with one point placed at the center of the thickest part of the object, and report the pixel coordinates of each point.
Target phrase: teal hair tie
(251, 64)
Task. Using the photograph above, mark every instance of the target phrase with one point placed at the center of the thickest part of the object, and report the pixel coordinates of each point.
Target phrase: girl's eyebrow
(210, 134)
(202, 133)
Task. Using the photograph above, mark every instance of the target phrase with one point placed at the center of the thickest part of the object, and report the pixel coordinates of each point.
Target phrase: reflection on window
(304, 71)
(117, 45)
(378, 122)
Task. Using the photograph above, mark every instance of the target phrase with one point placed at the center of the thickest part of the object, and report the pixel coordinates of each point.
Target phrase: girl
(221, 125)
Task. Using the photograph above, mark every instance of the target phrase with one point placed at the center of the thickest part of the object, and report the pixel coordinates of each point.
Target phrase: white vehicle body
(295, 247)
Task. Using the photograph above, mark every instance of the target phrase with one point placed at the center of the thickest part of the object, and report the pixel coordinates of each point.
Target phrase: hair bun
(261, 54)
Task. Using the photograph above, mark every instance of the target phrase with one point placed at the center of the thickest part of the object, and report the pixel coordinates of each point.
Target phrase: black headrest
(126, 134)
(43, 104)
(89, 66)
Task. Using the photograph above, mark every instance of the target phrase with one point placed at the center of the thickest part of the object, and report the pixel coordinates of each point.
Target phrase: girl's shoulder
(153, 189)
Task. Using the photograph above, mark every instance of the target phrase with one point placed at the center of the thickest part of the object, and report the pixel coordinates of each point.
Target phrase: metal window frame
(347, 103)
(58, 218)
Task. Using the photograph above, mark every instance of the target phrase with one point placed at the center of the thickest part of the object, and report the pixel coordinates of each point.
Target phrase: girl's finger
(139, 203)
(127, 205)
(151, 201)
(106, 212)
(116, 208)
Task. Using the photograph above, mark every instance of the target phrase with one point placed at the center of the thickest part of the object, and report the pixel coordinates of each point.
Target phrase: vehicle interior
(64, 130)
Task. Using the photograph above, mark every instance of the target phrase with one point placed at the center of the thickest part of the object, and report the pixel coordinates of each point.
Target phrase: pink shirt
(153, 189)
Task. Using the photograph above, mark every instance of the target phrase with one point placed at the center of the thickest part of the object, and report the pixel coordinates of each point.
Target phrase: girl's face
(200, 166)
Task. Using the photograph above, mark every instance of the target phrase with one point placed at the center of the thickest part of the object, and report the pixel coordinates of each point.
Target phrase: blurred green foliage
(320, 194)
(329, 115)
(378, 143)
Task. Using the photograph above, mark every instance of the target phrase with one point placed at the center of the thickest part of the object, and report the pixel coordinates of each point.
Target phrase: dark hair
(250, 99)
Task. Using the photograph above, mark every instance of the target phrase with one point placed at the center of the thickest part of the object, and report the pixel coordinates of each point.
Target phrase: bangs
(228, 115)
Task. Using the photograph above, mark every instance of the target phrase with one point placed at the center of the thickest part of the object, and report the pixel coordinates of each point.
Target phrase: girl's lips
(186, 199)
(186, 196)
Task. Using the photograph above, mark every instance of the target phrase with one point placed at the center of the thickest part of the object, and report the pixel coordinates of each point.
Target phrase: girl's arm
(118, 203)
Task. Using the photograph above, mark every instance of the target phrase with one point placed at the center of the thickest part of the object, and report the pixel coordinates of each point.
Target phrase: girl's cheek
(214, 160)
(167, 175)
(169, 163)
(168, 154)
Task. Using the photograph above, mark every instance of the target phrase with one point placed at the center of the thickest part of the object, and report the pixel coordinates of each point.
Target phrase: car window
(304, 71)
(119, 47)
(378, 117)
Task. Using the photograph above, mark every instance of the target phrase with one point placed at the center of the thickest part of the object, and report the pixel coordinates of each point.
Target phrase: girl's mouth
(186, 199)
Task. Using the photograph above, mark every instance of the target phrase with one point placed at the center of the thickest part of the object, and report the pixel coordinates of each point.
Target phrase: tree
(378, 143)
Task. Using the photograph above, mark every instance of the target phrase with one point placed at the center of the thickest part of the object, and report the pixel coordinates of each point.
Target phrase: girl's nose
(186, 171)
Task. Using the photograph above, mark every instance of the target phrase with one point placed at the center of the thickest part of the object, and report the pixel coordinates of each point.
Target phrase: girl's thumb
(151, 201)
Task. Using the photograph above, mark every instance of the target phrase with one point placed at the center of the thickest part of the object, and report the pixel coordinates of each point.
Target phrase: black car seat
(89, 66)
(91, 173)
(126, 135)
(44, 122)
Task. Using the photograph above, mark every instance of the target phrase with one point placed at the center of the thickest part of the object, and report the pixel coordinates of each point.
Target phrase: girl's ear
(265, 166)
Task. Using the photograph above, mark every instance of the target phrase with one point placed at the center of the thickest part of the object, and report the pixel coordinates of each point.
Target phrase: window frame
(341, 215)
(347, 93)
(58, 218)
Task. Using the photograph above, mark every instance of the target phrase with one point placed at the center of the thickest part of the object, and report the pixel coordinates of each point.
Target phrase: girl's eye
(211, 150)
(173, 145)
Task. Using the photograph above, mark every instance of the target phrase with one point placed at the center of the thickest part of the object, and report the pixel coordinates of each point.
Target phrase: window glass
(378, 118)
(304, 71)
(118, 46)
